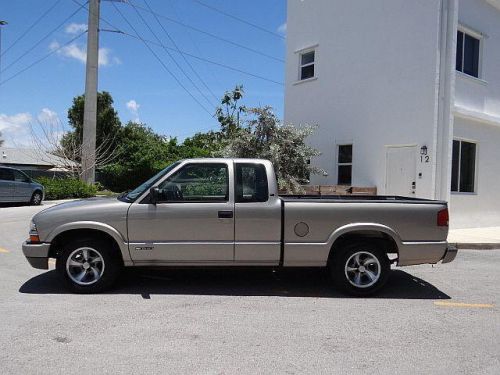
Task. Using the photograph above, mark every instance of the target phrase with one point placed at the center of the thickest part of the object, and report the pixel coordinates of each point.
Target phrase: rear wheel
(36, 198)
(359, 268)
(88, 266)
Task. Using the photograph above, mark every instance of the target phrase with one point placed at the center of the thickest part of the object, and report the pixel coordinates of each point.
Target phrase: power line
(43, 58)
(207, 60)
(172, 57)
(178, 50)
(239, 19)
(160, 61)
(31, 26)
(188, 33)
(239, 45)
(44, 37)
(117, 30)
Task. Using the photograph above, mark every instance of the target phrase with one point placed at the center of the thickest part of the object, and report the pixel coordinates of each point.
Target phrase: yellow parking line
(2, 250)
(461, 304)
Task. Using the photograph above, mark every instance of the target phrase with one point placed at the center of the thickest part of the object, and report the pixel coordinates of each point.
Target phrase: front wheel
(359, 268)
(88, 266)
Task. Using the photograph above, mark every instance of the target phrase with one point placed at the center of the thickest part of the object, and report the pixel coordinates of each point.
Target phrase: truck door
(193, 220)
(257, 215)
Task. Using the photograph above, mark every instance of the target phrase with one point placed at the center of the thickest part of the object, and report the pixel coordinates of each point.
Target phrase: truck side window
(251, 183)
(202, 182)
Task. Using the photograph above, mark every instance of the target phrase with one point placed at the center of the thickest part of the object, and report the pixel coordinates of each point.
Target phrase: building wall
(482, 208)
(481, 95)
(376, 85)
(479, 100)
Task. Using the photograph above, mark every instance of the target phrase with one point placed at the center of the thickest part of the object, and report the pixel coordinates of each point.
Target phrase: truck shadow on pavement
(239, 282)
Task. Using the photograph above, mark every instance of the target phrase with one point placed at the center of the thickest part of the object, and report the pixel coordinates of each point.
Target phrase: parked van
(16, 186)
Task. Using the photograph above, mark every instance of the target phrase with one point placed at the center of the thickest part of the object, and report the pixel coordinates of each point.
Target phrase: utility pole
(90, 107)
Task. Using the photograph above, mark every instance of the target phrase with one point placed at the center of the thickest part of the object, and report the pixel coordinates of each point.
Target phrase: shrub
(66, 188)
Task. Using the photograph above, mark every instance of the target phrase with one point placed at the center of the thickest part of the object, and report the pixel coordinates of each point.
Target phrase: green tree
(229, 112)
(283, 144)
(201, 145)
(108, 125)
(140, 153)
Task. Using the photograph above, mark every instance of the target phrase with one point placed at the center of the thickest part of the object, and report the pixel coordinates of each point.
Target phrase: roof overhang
(469, 114)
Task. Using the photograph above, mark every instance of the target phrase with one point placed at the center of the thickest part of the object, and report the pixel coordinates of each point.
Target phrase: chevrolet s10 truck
(227, 212)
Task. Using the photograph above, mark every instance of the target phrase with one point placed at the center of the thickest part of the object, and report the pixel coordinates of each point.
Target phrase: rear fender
(358, 227)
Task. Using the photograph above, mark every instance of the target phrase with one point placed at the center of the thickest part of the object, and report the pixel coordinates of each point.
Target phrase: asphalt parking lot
(429, 319)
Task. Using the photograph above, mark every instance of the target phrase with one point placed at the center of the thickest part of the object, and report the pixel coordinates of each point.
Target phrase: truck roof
(215, 160)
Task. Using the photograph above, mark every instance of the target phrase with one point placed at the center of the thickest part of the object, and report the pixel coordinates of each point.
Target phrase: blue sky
(141, 87)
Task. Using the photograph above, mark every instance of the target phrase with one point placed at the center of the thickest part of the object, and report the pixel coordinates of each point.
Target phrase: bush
(66, 188)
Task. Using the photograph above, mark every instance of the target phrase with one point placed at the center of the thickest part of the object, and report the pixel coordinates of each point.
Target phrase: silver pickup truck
(227, 212)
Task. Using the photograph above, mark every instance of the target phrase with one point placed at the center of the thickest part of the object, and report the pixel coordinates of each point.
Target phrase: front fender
(94, 225)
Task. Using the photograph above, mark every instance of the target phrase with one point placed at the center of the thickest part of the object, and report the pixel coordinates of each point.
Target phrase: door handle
(225, 214)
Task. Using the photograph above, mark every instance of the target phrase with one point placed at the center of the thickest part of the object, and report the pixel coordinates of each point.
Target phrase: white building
(406, 95)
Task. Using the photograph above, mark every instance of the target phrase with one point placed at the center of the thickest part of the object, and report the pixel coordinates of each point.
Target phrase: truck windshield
(134, 194)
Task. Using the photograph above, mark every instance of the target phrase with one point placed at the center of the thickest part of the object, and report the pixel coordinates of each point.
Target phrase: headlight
(33, 228)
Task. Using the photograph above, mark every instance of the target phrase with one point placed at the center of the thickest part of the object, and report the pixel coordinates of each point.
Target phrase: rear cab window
(251, 183)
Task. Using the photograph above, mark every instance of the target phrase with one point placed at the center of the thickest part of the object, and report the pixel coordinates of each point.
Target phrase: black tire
(36, 198)
(371, 261)
(108, 269)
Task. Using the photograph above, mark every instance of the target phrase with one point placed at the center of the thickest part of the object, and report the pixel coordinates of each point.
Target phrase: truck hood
(108, 211)
(96, 202)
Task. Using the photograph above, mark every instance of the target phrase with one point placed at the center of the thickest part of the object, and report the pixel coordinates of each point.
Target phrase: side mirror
(154, 195)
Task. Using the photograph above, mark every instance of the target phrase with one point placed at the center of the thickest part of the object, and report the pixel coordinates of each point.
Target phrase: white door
(401, 171)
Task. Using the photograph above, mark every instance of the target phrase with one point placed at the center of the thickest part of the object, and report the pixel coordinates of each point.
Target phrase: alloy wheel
(85, 266)
(362, 269)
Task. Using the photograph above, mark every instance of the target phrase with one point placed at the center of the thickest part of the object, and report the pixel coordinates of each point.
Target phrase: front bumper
(449, 254)
(37, 254)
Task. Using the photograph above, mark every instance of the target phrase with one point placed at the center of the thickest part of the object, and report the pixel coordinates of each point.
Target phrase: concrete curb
(476, 245)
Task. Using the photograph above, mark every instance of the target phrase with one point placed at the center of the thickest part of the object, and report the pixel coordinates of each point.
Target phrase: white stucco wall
(482, 208)
(481, 95)
(478, 102)
(378, 74)
(376, 65)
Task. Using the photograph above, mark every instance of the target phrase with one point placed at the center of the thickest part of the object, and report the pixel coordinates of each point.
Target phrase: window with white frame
(468, 53)
(344, 165)
(463, 167)
(307, 62)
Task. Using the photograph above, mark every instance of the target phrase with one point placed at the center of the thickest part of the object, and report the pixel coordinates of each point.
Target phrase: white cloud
(133, 108)
(15, 129)
(79, 52)
(75, 28)
(19, 130)
(46, 115)
(282, 28)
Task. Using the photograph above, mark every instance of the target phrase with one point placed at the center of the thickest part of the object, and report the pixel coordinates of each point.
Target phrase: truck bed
(359, 198)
